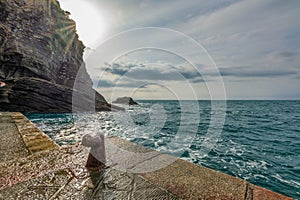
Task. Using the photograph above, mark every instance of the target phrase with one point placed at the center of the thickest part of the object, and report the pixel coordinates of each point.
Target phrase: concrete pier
(32, 166)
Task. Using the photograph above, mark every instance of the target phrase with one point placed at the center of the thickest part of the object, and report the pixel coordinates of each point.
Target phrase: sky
(196, 49)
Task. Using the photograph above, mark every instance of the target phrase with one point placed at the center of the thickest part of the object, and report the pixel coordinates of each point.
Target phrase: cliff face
(40, 56)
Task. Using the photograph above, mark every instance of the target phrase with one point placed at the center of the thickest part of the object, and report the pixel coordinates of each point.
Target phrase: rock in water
(40, 57)
(125, 100)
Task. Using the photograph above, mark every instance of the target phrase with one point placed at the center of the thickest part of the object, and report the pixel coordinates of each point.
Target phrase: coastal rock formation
(40, 58)
(125, 100)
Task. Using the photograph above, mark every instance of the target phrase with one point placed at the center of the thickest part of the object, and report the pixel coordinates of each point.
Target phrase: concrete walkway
(40, 169)
(11, 142)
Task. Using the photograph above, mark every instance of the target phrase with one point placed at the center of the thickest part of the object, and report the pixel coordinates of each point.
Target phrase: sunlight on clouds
(89, 20)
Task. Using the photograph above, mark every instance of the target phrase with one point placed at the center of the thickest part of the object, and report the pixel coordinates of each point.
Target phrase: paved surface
(46, 171)
(60, 174)
(11, 142)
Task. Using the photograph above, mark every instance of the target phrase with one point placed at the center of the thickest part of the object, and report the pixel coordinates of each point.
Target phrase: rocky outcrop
(125, 100)
(40, 58)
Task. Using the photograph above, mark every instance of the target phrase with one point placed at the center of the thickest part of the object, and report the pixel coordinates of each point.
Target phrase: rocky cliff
(40, 57)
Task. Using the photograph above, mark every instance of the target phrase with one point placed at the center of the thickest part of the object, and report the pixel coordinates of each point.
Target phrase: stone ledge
(189, 181)
(260, 193)
(34, 139)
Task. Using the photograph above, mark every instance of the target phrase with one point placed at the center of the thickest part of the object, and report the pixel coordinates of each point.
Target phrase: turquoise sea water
(259, 141)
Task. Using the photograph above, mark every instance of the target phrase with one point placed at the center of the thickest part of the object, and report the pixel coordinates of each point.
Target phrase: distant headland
(125, 100)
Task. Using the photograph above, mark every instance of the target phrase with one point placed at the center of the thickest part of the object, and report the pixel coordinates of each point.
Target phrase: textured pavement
(11, 142)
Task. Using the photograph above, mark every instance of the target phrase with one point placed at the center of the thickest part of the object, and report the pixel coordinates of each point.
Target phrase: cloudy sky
(196, 49)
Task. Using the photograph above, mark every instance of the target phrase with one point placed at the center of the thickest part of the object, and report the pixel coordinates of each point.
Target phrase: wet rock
(125, 100)
(40, 58)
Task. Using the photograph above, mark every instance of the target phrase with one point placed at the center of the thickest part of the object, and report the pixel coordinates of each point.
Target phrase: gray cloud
(136, 13)
(286, 54)
(283, 56)
(159, 72)
(121, 69)
(250, 72)
(139, 72)
(124, 82)
(102, 83)
(131, 84)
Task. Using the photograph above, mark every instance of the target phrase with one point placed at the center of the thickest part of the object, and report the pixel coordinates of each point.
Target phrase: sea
(257, 140)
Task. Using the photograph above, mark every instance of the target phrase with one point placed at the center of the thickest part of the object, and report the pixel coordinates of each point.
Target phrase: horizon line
(287, 99)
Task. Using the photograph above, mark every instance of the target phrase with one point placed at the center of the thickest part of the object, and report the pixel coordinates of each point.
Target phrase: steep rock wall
(40, 56)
